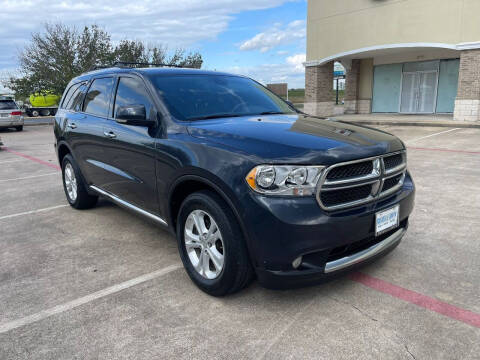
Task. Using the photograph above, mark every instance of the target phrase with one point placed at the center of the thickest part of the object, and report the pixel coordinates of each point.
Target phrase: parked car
(10, 115)
(250, 186)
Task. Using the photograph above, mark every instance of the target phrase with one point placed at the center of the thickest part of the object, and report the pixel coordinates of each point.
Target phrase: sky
(263, 39)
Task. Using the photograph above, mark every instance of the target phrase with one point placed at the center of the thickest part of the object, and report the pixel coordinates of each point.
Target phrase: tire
(19, 128)
(45, 112)
(74, 185)
(236, 271)
(35, 113)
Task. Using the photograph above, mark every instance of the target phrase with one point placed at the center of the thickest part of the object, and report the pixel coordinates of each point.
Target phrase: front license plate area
(386, 220)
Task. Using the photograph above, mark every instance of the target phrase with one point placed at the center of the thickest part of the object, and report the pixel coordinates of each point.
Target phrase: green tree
(60, 53)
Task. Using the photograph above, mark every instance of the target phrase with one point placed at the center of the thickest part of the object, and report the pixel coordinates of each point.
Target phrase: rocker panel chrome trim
(127, 205)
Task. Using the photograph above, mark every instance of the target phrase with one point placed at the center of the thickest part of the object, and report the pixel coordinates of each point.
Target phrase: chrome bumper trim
(127, 205)
(365, 254)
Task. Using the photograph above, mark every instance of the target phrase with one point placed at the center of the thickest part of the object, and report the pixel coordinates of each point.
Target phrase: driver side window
(132, 91)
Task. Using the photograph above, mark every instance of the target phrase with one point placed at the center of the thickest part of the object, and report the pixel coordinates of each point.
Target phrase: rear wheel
(74, 186)
(211, 245)
(35, 113)
(19, 128)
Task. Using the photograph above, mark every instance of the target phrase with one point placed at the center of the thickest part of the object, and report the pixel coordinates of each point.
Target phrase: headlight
(291, 180)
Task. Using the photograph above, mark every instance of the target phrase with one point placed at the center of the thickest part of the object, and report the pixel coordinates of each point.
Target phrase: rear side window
(68, 96)
(77, 98)
(131, 91)
(7, 105)
(97, 100)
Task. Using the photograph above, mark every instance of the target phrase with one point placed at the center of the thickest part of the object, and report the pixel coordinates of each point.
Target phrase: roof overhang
(392, 49)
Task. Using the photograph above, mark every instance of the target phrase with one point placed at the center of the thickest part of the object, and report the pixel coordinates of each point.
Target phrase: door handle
(72, 125)
(110, 134)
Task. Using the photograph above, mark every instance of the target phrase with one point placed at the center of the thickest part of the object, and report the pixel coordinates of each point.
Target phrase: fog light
(297, 262)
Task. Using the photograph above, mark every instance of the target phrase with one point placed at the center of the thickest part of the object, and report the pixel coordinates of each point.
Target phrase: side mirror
(133, 115)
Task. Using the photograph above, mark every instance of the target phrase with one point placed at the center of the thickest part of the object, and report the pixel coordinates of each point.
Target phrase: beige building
(400, 56)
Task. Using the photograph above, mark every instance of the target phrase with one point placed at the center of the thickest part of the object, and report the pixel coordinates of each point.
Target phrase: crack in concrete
(356, 308)
(375, 320)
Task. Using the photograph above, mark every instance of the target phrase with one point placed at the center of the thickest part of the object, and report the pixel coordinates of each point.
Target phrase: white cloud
(297, 62)
(277, 35)
(291, 71)
(175, 23)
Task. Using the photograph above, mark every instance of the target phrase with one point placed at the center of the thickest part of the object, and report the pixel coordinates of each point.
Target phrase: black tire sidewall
(84, 200)
(69, 160)
(209, 203)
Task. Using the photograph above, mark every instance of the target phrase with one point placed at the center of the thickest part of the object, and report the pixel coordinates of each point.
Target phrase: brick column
(319, 90)
(352, 81)
(467, 103)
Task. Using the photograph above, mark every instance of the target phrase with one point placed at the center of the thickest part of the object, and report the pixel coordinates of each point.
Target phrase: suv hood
(296, 138)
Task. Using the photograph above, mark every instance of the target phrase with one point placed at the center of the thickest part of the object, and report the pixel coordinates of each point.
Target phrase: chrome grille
(351, 171)
(358, 182)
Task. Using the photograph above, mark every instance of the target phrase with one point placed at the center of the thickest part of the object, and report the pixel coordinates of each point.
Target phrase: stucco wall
(345, 25)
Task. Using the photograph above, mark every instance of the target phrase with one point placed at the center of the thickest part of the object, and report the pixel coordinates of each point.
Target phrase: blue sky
(264, 39)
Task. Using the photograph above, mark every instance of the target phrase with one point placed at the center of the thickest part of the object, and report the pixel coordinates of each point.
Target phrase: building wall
(355, 24)
(366, 79)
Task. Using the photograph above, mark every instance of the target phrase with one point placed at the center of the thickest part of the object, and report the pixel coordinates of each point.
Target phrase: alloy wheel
(70, 182)
(204, 244)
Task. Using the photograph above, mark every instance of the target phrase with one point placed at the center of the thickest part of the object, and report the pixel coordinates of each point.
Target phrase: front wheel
(74, 186)
(211, 245)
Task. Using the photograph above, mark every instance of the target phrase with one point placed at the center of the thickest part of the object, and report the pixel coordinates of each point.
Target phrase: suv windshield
(7, 105)
(197, 97)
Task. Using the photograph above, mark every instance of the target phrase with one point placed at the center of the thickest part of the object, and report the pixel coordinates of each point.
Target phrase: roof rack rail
(132, 64)
(126, 64)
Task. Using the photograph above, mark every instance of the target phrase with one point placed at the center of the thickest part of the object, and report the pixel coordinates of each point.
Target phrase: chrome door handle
(110, 134)
(72, 125)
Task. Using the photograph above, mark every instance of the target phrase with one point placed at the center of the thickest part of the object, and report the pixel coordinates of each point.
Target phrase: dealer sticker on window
(386, 220)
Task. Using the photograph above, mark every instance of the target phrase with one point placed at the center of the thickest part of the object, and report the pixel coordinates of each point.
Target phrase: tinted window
(68, 95)
(131, 91)
(77, 98)
(97, 100)
(190, 97)
(7, 105)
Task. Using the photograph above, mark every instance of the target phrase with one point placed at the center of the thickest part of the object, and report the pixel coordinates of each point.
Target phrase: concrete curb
(40, 123)
(417, 123)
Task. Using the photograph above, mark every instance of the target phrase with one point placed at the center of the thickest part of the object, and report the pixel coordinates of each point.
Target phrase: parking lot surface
(106, 284)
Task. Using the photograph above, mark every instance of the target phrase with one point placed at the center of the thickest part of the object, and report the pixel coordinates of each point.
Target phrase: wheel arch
(62, 150)
(188, 184)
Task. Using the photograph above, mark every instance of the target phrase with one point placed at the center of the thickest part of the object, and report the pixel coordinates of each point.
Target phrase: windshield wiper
(216, 116)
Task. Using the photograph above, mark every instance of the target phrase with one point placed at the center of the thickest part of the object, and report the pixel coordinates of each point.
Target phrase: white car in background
(10, 115)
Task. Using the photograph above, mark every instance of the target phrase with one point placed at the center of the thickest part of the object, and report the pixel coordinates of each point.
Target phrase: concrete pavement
(106, 284)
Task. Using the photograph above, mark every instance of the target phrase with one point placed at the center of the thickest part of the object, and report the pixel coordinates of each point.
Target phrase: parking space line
(32, 158)
(431, 135)
(86, 299)
(445, 150)
(29, 177)
(31, 212)
(11, 161)
(465, 316)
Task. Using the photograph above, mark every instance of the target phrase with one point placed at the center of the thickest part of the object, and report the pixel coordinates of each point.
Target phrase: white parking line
(428, 136)
(86, 299)
(11, 161)
(29, 177)
(31, 212)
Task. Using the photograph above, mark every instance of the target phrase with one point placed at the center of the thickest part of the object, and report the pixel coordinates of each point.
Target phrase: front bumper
(331, 244)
